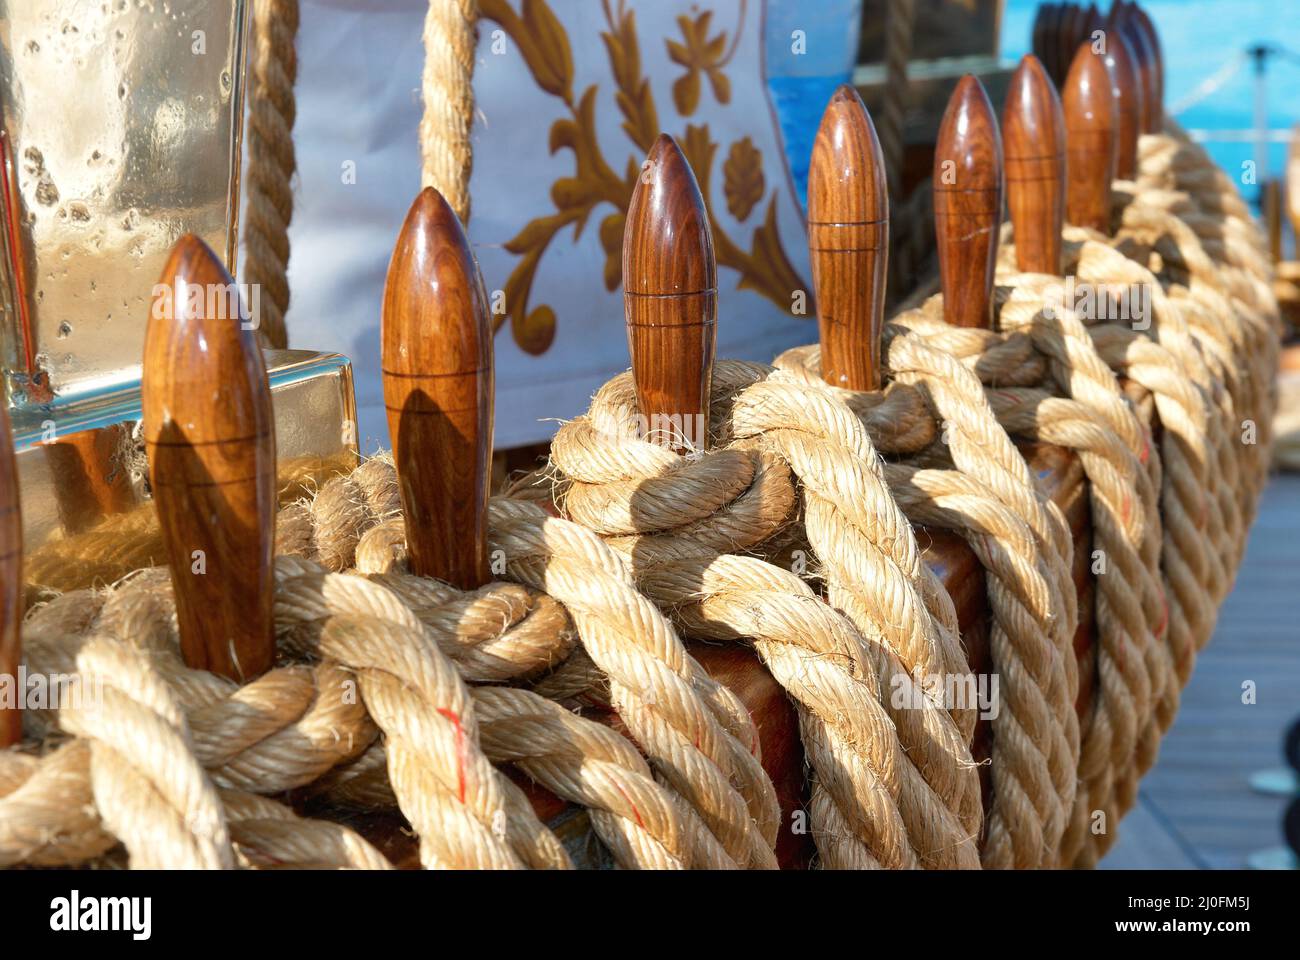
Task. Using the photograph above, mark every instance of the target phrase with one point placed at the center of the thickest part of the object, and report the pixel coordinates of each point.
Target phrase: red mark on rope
(1146, 449)
(1164, 613)
(635, 812)
(1127, 508)
(461, 757)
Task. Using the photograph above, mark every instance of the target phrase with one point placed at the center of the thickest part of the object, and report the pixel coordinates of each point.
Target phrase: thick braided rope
(141, 771)
(271, 162)
(979, 448)
(674, 517)
(1184, 551)
(1025, 599)
(142, 611)
(696, 732)
(642, 823)
(269, 836)
(279, 732)
(1228, 314)
(870, 560)
(1233, 313)
(501, 630)
(1193, 417)
(466, 813)
(1223, 252)
(450, 39)
(254, 729)
(150, 791)
(1227, 322)
(1116, 455)
(48, 817)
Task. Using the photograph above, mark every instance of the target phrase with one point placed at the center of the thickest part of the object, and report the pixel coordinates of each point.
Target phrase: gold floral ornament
(700, 55)
(544, 46)
(742, 178)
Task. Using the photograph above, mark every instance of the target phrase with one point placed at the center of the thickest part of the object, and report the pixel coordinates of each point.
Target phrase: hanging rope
(450, 39)
(271, 162)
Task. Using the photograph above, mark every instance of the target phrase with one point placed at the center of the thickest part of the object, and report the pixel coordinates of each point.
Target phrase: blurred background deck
(1196, 808)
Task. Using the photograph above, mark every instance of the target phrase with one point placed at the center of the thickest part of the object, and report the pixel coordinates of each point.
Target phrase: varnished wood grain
(89, 481)
(1126, 88)
(848, 241)
(1063, 37)
(1156, 112)
(1071, 33)
(1123, 20)
(967, 203)
(1034, 130)
(438, 390)
(670, 298)
(11, 580)
(210, 436)
(1090, 129)
(1040, 33)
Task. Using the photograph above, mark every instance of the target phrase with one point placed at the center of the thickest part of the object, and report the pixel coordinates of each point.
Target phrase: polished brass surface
(120, 127)
(82, 473)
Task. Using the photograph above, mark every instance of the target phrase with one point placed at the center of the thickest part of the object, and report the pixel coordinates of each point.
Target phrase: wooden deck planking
(1196, 809)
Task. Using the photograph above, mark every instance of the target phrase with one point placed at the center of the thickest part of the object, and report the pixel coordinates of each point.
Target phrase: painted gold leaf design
(542, 42)
(765, 268)
(634, 99)
(742, 178)
(699, 54)
(593, 183)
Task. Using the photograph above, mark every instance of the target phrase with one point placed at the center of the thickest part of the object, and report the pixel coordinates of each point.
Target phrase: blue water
(1198, 37)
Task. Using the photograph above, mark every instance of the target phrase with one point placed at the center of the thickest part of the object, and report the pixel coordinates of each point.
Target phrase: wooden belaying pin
(670, 299)
(1090, 126)
(1041, 32)
(210, 435)
(1126, 88)
(1123, 21)
(1072, 30)
(438, 390)
(11, 586)
(848, 241)
(968, 204)
(1033, 128)
(1147, 28)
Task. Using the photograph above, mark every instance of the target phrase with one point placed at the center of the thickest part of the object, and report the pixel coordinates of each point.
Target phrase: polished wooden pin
(1090, 125)
(848, 241)
(438, 390)
(670, 299)
(1156, 112)
(1126, 88)
(1123, 21)
(1033, 127)
(11, 585)
(1040, 33)
(210, 435)
(1067, 37)
(968, 204)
